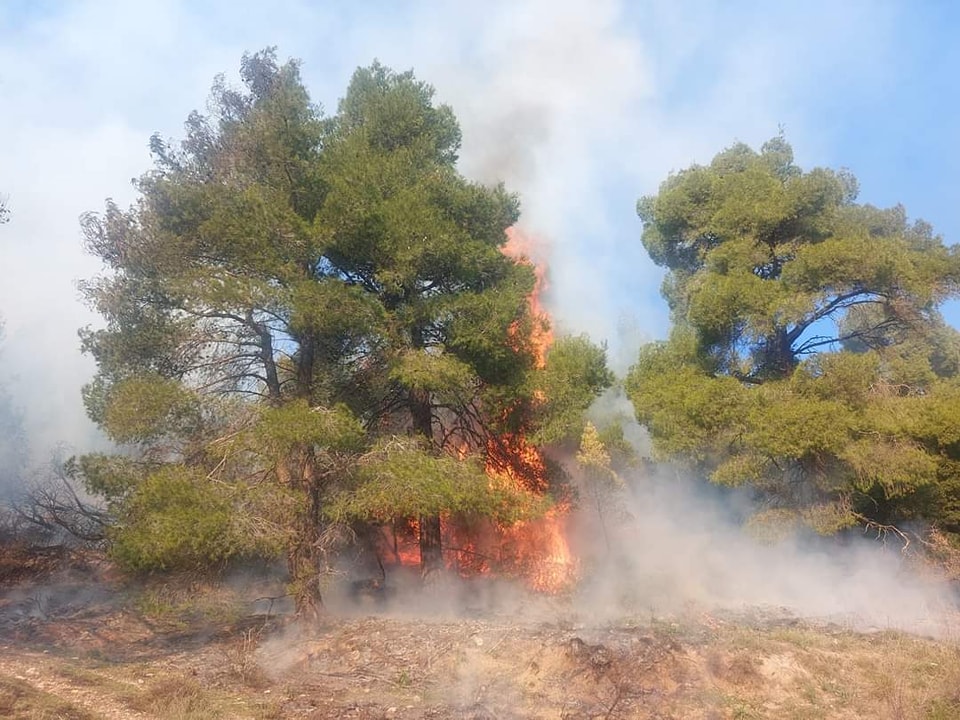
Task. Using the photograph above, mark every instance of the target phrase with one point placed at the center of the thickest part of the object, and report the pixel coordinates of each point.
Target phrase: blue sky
(579, 105)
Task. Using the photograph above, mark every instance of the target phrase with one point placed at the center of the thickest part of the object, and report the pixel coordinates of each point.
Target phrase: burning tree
(303, 307)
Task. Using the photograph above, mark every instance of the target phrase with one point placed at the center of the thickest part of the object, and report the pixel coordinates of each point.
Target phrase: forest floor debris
(83, 645)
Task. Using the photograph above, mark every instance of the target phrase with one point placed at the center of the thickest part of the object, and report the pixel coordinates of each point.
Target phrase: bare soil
(81, 643)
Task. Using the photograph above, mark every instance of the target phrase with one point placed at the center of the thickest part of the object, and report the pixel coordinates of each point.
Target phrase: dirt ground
(81, 643)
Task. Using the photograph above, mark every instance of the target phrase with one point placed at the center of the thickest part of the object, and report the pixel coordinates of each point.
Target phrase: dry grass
(240, 658)
(808, 672)
(426, 670)
(176, 698)
(192, 660)
(19, 700)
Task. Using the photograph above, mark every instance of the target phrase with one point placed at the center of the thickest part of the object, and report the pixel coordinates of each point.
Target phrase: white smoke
(684, 547)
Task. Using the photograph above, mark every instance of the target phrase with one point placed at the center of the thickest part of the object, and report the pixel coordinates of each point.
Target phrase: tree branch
(841, 301)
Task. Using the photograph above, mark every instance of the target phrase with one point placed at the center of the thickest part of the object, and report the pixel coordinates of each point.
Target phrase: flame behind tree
(571, 371)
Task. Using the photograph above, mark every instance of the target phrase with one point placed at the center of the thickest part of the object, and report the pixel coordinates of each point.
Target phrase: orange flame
(399, 544)
(526, 249)
(536, 549)
(540, 551)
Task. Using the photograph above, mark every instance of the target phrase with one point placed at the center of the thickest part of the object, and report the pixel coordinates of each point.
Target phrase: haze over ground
(580, 106)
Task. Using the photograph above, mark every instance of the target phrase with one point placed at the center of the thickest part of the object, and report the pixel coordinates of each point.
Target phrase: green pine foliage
(574, 374)
(176, 519)
(401, 478)
(808, 357)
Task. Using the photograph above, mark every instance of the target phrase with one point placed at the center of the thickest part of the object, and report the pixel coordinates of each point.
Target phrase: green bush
(178, 519)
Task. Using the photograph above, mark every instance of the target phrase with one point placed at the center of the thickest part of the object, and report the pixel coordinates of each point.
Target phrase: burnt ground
(81, 643)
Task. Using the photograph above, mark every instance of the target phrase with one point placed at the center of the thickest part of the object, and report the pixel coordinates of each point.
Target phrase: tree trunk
(303, 559)
(431, 544)
(779, 359)
(431, 549)
(304, 575)
(272, 378)
(305, 363)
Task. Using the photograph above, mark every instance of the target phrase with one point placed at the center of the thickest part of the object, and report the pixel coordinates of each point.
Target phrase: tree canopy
(808, 356)
(292, 290)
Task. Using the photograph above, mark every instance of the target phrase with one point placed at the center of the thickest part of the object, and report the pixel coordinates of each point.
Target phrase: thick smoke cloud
(672, 548)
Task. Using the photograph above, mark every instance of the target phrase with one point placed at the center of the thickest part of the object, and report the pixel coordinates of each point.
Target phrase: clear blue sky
(580, 105)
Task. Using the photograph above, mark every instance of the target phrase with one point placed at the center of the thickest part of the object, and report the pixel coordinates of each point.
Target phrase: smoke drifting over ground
(685, 546)
(668, 546)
